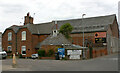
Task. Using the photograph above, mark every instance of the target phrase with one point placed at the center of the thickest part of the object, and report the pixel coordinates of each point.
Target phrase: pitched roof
(43, 28)
(75, 47)
(54, 40)
(90, 24)
(15, 28)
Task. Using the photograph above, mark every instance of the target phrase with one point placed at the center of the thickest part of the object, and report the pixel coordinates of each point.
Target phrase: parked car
(34, 56)
(3, 55)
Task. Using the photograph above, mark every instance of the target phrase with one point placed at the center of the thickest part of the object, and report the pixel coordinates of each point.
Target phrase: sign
(100, 35)
(74, 54)
(61, 52)
(100, 40)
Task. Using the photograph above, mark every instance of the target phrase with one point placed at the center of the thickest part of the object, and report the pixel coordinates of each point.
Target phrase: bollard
(14, 61)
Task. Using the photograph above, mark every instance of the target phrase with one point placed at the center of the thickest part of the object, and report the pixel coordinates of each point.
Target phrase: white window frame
(9, 49)
(23, 50)
(23, 35)
(9, 36)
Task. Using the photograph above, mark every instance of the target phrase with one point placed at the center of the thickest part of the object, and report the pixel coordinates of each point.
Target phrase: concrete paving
(106, 63)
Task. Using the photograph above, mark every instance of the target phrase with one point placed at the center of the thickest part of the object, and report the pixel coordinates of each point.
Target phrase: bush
(50, 52)
(64, 58)
(41, 53)
(20, 56)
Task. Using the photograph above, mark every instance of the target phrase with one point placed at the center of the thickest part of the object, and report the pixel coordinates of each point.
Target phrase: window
(55, 33)
(9, 36)
(24, 35)
(23, 50)
(9, 48)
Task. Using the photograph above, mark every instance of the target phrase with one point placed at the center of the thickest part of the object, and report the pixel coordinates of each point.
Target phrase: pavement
(104, 63)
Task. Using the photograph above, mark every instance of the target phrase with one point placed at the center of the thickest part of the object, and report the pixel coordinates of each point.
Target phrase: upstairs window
(9, 36)
(24, 35)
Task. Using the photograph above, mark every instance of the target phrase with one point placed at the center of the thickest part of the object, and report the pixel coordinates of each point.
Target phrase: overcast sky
(12, 12)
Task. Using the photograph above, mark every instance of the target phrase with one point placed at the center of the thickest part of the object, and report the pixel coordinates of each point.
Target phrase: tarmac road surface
(105, 63)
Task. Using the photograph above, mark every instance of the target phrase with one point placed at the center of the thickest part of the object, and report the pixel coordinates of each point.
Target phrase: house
(100, 32)
(9, 39)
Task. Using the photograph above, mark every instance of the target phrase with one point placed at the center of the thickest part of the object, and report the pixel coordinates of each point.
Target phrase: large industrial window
(9, 48)
(24, 35)
(9, 36)
(23, 50)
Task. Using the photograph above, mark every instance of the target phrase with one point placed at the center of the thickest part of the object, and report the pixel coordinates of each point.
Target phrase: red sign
(100, 35)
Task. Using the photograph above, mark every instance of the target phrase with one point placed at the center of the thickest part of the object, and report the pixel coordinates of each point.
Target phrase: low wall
(47, 58)
(97, 53)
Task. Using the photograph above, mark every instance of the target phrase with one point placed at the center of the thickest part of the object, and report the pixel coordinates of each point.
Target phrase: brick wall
(28, 19)
(27, 42)
(47, 47)
(6, 43)
(30, 43)
(78, 38)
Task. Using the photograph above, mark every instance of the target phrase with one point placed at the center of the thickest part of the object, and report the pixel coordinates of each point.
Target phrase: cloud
(13, 11)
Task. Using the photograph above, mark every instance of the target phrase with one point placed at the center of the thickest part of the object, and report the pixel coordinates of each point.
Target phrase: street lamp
(83, 37)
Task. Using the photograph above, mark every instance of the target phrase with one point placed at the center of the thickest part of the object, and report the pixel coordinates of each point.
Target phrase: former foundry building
(101, 32)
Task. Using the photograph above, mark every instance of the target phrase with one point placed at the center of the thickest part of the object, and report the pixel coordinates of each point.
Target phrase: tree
(66, 29)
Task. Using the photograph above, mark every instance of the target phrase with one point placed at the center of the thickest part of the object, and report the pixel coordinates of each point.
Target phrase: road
(106, 63)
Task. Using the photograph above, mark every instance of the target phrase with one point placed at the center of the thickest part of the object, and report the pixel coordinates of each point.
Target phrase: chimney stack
(28, 19)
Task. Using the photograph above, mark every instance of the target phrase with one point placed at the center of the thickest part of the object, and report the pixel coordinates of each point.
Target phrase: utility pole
(83, 36)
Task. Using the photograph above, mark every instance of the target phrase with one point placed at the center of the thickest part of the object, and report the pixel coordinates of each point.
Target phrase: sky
(12, 12)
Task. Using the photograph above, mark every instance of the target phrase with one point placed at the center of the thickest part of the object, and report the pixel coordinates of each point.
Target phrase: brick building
(25, 39)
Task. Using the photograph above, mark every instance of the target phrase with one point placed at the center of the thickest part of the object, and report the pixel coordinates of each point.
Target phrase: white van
(3, 55)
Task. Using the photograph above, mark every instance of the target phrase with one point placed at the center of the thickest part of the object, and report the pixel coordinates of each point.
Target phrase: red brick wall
(5, 42)
(30, 43)
(47, 47)
(78, 38)
(36, 39)
(27, 42)
(28, 19)
(42, 37)
(97, 52)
